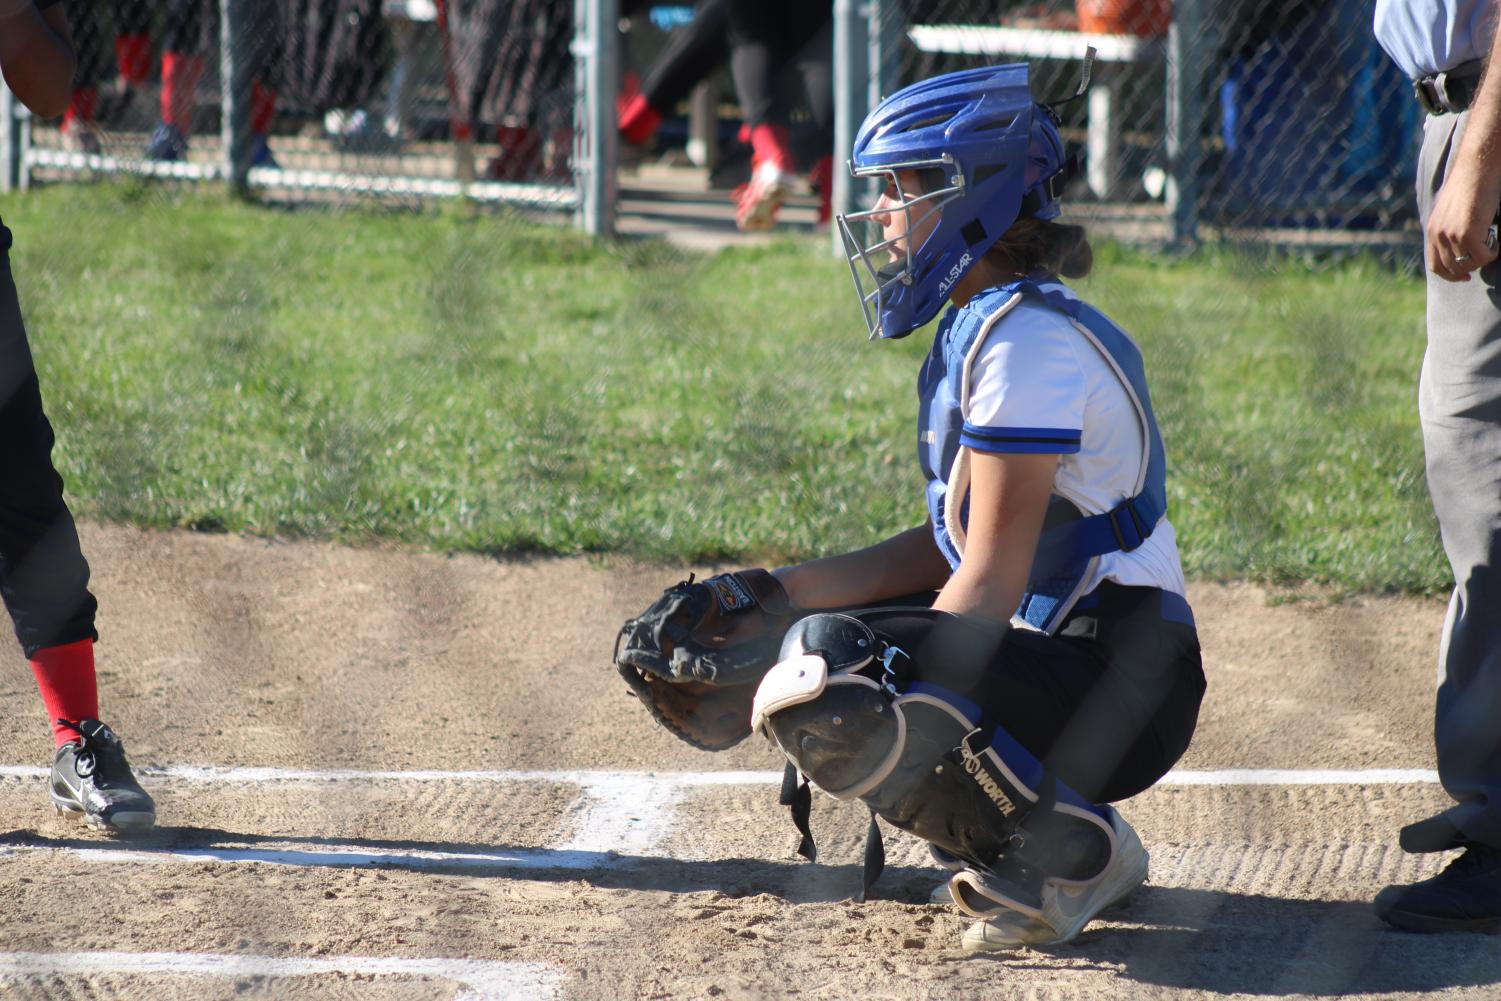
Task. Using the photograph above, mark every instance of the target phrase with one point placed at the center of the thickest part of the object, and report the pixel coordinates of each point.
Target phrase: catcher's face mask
(883, 242)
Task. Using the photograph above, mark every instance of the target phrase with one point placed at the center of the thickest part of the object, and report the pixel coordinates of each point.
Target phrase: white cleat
(1066, 907)
(1006, 930)
(758, 202)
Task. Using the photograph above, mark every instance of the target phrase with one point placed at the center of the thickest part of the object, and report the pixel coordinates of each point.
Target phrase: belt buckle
(1426, 91)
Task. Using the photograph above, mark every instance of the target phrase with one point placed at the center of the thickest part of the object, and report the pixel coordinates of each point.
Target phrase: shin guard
(854, 715)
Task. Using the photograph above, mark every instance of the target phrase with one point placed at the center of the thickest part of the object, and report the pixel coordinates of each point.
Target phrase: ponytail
(1032, 244)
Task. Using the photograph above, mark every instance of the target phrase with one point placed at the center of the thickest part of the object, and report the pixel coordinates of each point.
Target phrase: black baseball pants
(1109, 702)
(44, 579)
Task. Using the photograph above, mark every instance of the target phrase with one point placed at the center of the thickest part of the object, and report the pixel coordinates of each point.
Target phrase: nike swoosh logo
(1070, 902)
(76, 790)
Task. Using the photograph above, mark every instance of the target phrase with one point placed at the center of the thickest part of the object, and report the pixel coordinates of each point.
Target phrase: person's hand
(1460, 238)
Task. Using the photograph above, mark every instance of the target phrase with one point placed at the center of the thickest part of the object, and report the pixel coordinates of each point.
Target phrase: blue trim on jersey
(1061, 441)
(1020, 432)
(1016, 448)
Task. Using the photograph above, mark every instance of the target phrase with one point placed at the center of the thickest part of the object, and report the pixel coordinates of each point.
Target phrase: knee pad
(832, 721)
(852, 713)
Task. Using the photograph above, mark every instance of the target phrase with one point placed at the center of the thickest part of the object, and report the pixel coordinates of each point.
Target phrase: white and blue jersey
(1029, 367)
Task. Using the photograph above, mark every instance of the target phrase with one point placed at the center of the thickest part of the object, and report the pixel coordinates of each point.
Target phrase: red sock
(518, 138)
(80, 106)
(262, 107)
(180, 74)
(520, 148)
(821, 179)
(65, 674)
(133, 57)
(638, 120)
(770, 143)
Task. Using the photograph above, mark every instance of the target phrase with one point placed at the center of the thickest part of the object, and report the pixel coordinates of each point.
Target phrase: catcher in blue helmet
(991, 680)
(1057, 669)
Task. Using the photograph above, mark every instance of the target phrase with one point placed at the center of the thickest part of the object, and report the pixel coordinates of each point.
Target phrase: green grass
(486, 385)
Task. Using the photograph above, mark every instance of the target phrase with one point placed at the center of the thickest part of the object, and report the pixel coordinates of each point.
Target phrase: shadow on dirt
(1197, 940)
(794, 880)
(1237, 943)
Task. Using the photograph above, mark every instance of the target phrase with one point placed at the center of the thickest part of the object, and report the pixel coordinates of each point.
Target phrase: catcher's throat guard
(854, 715)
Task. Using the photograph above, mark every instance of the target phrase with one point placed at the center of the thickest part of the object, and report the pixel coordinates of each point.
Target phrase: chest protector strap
(1065, 550)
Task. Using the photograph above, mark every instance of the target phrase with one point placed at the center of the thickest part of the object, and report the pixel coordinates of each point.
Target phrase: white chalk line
(610, 819)
(631, 812)
(338, 856)
(1301, 777)
(656, 782)
(618, 814)
(479, 980)
(624, 813)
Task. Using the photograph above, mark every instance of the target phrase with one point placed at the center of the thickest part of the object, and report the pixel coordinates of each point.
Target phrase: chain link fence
(329, 99)
(1269, 122)
(1272, 122)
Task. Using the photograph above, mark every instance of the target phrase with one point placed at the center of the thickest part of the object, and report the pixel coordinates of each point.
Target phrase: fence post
(596, 142)
(852, 79)
(887, 22)
(10, 141)
(234, 85)
(1185, 120)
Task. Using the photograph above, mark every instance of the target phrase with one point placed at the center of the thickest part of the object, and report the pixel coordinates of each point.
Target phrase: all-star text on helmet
(997, 157)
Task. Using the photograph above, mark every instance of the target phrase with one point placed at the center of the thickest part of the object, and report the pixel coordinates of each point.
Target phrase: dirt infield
(387, 774)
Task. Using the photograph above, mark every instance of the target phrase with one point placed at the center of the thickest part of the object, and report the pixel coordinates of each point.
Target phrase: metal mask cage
(883, 276)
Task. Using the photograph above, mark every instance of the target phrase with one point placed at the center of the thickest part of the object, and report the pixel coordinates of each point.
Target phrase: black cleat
(92, 779)
(1466, 896)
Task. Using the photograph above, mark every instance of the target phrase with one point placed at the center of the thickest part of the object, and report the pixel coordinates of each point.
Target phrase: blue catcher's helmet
(1001, 159)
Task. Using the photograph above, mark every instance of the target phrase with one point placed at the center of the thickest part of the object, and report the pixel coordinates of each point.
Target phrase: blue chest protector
(1071, 542)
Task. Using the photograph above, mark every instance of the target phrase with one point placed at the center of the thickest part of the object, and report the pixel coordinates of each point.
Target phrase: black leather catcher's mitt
(695, 657)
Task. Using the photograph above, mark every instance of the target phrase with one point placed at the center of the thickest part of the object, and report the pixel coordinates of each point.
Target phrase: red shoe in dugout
(758, 201)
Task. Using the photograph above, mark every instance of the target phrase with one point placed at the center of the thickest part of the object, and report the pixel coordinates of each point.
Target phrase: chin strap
(1085, 72)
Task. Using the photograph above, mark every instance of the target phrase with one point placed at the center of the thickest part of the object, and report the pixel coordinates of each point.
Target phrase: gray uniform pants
(1459, 401)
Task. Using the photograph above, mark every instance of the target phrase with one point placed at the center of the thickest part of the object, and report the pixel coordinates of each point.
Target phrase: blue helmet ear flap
(1048, 192)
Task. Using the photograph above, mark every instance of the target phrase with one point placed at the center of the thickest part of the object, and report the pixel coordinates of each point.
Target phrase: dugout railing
(503, 101)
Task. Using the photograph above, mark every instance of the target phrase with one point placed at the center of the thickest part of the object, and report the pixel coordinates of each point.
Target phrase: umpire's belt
(1449, 92)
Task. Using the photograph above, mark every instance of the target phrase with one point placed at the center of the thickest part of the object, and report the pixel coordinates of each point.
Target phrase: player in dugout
(1055, 669)
(43, 575)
